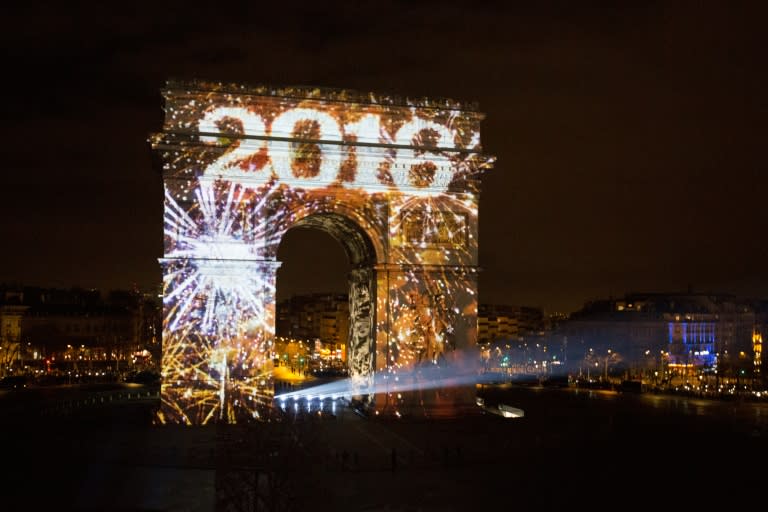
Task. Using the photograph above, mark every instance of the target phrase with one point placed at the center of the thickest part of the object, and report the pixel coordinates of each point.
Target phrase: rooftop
(321, 93)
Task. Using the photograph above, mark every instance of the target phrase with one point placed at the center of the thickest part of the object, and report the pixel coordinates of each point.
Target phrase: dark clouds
(628, 138)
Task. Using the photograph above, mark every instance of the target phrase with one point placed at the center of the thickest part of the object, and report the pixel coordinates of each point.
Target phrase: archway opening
(324, 311)
(312, 262)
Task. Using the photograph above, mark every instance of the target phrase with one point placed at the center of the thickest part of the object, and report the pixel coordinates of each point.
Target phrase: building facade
(53, 330)
(682, 334)
(315, 317)
(505, 322)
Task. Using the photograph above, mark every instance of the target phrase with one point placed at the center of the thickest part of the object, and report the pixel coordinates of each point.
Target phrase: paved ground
(597, 450)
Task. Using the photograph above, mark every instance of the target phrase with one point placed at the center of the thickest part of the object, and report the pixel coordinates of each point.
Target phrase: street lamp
(662, 356)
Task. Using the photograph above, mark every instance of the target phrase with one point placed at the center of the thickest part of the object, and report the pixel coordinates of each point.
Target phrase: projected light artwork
(395, 181)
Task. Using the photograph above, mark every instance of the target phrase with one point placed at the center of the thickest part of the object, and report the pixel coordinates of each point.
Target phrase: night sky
(628, 139)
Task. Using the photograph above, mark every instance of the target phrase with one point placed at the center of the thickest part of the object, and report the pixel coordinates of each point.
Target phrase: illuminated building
(496, 322)
(760, 362)
(687, 333)
(757, 350)
(394, 180)
(12, 311)
(323, 317)
(62, 330)
(515, 340)
(506, 322)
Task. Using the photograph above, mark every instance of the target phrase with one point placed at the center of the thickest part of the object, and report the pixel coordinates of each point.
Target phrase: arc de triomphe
(394, 180)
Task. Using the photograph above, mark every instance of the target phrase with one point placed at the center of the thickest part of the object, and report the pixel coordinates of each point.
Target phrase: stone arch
(394, 179)
(361, 253)
(361, 237)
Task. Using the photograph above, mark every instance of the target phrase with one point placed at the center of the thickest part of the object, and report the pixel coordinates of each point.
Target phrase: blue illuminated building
(697, 332)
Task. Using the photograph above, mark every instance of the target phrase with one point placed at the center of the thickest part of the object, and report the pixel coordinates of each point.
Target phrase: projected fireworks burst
(393, 180)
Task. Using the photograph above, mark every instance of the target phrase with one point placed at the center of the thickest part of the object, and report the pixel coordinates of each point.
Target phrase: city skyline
(627, 139)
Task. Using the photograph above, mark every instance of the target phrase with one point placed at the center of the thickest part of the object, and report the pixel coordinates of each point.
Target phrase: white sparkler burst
(218, 286)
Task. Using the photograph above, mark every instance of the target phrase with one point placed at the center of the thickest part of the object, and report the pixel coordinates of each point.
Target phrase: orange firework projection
(394, 180)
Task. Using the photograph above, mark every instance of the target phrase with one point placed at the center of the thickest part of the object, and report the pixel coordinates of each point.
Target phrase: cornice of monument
(324, 94)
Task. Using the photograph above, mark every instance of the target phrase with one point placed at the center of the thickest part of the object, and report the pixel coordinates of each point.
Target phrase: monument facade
(394, 180)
